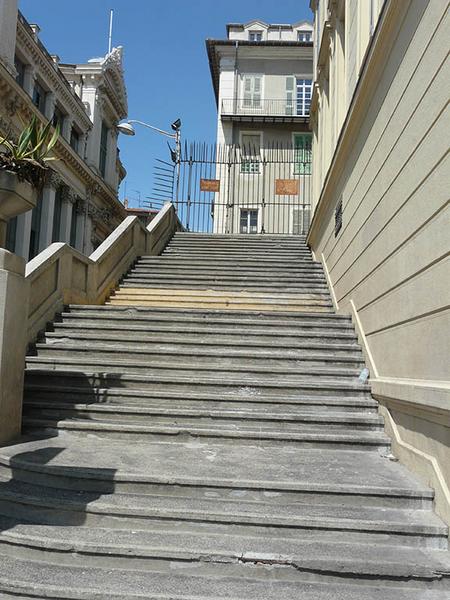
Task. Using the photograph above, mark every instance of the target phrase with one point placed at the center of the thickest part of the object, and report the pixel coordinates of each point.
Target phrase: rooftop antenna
(111, 17)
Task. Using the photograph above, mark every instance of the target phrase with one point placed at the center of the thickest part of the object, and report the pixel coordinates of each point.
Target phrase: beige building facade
(381, 180)
(79, 203)
(262, 78)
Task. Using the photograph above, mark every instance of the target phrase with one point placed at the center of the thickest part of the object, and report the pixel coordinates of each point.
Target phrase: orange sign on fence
(287, 187)
(209, 185)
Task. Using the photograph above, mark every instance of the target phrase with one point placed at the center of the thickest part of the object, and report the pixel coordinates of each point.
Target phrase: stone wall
(388, 265)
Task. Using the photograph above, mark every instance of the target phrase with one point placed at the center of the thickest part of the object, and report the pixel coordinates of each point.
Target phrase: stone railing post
(14, 299)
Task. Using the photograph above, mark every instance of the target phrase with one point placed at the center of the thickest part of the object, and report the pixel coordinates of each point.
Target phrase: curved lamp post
(127, 129)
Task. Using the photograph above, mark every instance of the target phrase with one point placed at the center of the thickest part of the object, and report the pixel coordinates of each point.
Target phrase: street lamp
(127, 129)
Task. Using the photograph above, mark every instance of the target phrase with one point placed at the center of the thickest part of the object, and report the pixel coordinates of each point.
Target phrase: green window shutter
(303, 153)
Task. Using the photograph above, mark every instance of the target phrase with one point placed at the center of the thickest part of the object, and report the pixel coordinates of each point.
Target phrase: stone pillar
(66, 128)
(47, 212)
(14, 298)
(23, 235)
(50, 101)
(66, 215)
(8, 28)
(79, 214)
(28, 80)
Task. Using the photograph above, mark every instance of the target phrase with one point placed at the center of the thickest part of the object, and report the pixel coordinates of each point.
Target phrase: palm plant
(30, 155)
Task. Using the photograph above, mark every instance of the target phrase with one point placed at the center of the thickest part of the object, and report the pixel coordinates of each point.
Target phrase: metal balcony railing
(265, 108)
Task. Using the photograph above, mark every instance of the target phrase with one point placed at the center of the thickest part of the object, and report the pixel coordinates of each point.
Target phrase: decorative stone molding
(53, 179)
(68, 195)
(100, 215)
(80, 205)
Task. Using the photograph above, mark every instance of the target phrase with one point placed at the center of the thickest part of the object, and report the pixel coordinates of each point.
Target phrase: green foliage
(30, 155)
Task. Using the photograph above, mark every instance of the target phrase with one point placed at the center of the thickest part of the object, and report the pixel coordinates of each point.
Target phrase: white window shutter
(289, 95)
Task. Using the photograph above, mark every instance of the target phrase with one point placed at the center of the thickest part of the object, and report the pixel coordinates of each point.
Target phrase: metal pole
(111, 16)
(178, 164)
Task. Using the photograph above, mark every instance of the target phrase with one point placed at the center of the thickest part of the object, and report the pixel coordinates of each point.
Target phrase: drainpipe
(236, 77)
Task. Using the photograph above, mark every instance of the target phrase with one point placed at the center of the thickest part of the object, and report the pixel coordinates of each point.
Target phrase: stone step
(64, 372)
(294, 321)
(235, 416)
(202, 349)
(364, 559)
(261, 237)
(270, 297)
(260, 243)
(231, 278)
(175, 263)
(79, 328)
(237, 516)
(249, 374)
(209, 285)
(346, 438)
(170, 401)
(220, 300)
(208, 261)
(283, 475)
(226, 275)
(207, 339)
(216, 304)
(289, 256)
(167, 264)
(180, 582)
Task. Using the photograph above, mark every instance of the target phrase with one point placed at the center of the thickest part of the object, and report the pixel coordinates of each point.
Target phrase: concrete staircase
(204, 435)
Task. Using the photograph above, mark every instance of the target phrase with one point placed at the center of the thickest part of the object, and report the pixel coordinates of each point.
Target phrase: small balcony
(265, 111)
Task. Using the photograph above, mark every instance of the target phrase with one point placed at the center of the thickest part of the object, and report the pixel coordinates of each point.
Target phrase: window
(338, 218)
(56, 232)
(304, 36)
(248, 222)
(252, 85)
(250, 153)
(255, 36)
(20, 68)
(11, 233)
(303, 99)
(73, 227)
(300, 220)
(103, 149)
(58, 118)
(302, 154)
(39, 97)
(75, 139)
(35, 229)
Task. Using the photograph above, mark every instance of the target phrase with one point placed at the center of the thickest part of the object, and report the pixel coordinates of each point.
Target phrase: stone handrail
(31, 296)
(61, 275)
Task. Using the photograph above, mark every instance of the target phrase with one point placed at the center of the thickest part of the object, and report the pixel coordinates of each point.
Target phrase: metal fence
(234, 189)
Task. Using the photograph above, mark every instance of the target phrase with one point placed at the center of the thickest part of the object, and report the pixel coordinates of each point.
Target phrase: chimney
(35, 29)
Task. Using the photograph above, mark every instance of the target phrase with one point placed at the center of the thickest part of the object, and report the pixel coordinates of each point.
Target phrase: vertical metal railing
(240, 189)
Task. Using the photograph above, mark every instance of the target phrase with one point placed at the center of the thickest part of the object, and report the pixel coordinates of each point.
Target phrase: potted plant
(23, 170)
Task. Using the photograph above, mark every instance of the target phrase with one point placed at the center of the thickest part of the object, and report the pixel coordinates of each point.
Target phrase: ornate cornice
(51, 72)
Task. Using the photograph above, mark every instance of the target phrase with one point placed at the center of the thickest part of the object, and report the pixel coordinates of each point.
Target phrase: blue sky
(166, 67)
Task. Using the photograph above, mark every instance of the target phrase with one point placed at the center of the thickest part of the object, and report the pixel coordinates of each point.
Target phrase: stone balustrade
(31, 295)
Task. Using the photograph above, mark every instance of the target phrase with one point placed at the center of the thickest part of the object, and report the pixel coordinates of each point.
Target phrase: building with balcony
(79, 203)
(262, 78)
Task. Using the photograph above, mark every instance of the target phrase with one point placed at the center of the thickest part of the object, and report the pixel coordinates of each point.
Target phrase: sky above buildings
(166, 66)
